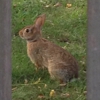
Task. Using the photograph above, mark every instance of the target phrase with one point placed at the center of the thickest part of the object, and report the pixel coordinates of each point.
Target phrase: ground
(66, 26)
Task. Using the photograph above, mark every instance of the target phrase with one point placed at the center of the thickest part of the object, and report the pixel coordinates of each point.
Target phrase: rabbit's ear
(40, 21)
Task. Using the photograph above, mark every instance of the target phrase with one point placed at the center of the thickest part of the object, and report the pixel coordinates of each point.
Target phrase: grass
(62, 24)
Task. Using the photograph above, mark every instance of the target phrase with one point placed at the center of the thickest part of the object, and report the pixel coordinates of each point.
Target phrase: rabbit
(60, 63)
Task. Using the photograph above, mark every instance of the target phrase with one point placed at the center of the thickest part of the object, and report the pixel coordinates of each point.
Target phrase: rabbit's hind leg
(59, 74)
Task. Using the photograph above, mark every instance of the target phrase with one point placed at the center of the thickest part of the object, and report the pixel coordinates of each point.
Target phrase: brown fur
(43, 53)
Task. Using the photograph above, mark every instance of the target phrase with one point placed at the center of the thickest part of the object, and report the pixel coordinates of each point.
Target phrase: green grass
(61, 24)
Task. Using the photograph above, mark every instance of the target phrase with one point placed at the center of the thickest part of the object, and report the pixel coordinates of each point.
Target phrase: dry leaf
(65, 95)
(47, 6)
(39, 88)
(57, 4)
(69, 5)
(64, 47)
(14, 88)
(85, 92)
(37, 81)
(25, 81)
(14, 5)
(41, 96)
(42, 1)
(52, 93)
(64, 84)
(82, 62)
(45, 85)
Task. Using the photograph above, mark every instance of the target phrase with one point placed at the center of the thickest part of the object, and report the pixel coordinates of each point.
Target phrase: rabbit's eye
(27, 30)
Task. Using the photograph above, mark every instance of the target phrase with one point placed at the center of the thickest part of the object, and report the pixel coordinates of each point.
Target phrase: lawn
(66, 27)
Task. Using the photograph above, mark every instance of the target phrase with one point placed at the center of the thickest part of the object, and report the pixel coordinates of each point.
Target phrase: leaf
(85, 92)
(52, 93)
(14, 88)
(68, 5)
(66, 95)
(37, 81)
(47, 6)
(41, 96)
(25, 81)
(57, 4)
(14, 5)
(45, 85)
